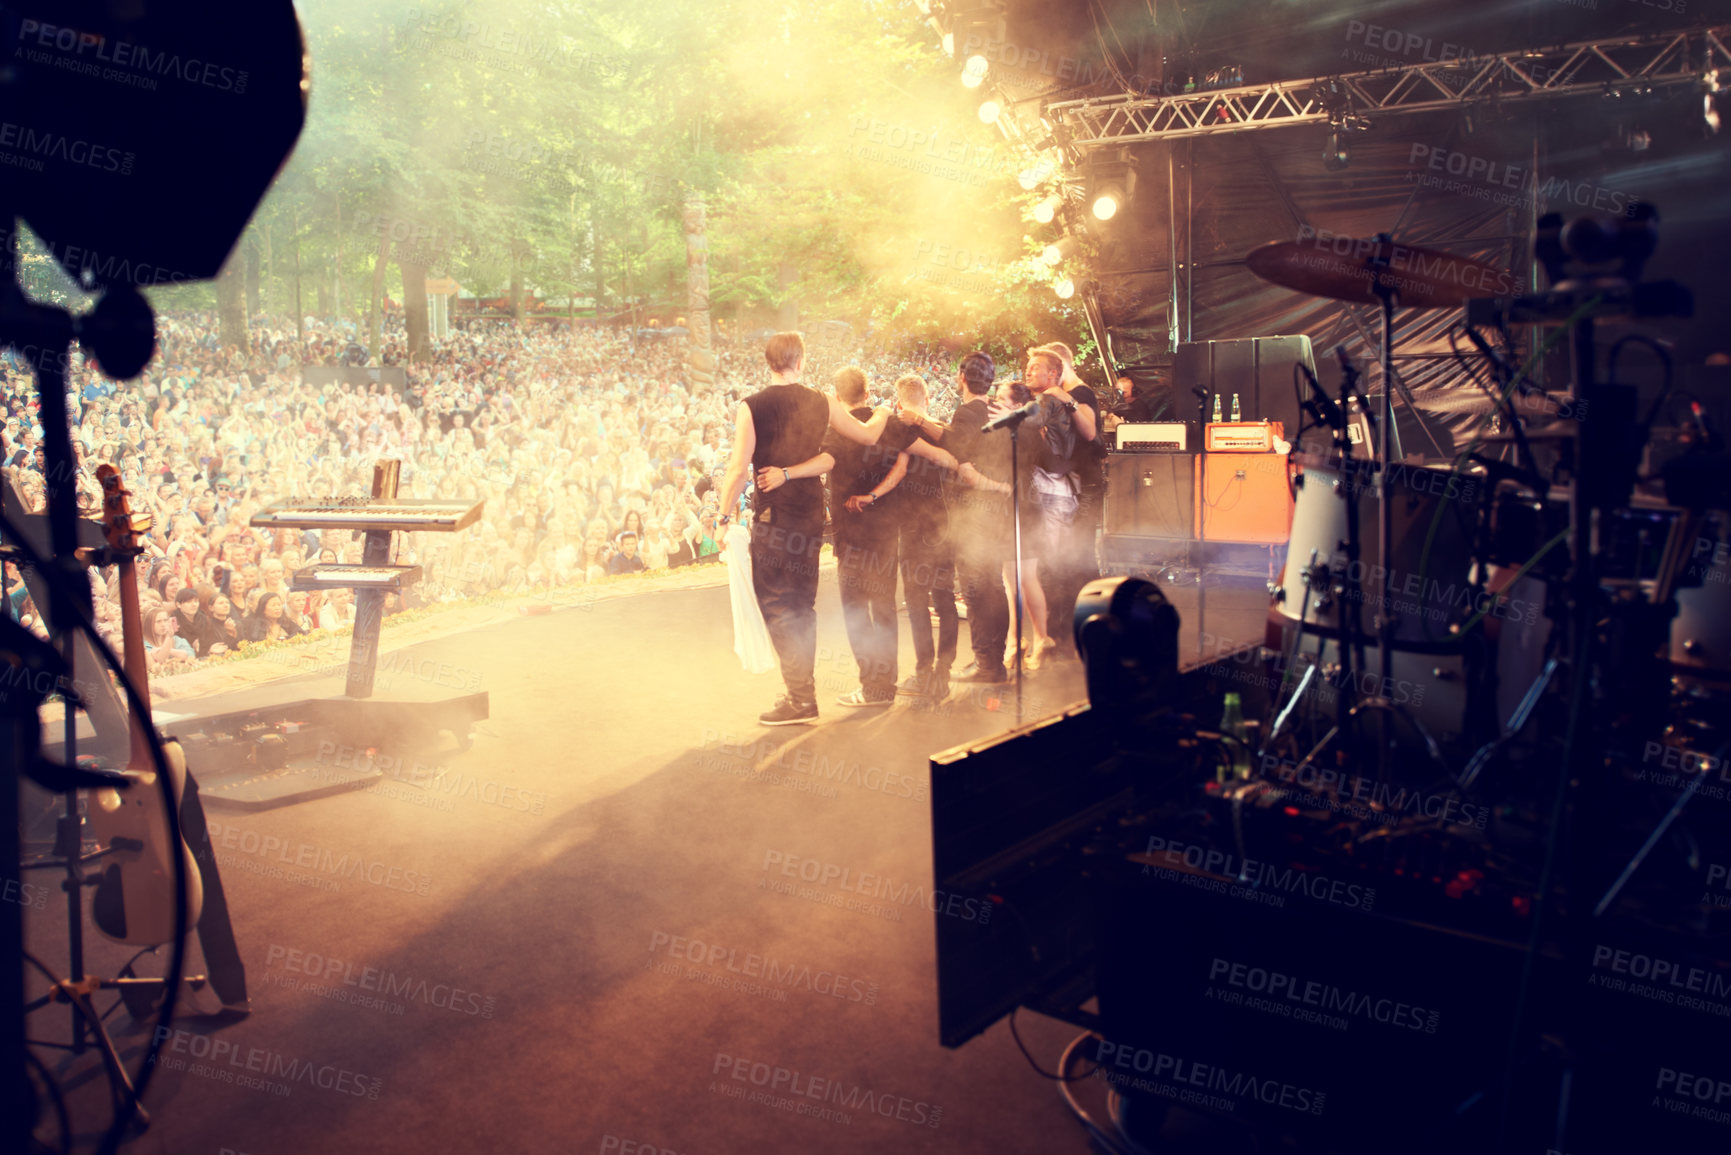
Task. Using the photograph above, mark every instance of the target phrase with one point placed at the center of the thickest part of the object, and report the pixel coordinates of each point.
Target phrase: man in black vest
(779, 433)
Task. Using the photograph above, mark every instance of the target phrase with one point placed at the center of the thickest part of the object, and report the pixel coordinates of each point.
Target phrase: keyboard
(326, 576)
(371, 513)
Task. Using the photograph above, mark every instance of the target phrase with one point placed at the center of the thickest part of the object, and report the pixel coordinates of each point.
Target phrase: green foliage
(556, 142)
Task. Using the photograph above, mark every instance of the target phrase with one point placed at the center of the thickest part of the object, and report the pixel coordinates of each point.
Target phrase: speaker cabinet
(1150, 495)
(1246, 499)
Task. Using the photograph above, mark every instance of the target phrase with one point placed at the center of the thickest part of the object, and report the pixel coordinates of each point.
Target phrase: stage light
(976, 67)
(1111, 183)
(1065, 289)
(1046, 210)
(1710, 90)
(949, 44)
(1335, 153)
(969, 80)
(989, 112)
(1055, 252)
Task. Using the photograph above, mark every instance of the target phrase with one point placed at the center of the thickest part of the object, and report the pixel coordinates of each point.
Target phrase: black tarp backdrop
(1228, 194)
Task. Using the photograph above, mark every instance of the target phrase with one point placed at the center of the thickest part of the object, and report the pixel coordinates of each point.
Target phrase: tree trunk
(253, 261)
(415, 310)
(788, 317)
(700, 359)
(376, 305)
(231, 302)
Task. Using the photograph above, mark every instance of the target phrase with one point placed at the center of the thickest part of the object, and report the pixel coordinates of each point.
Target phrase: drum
(1701, 631)
(1427, 593)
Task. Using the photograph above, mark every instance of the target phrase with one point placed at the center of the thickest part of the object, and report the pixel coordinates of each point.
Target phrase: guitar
(134, 900)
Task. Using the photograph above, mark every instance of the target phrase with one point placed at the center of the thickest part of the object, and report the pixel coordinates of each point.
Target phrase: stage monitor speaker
(1258, 369)
(1150, 495)
(1246, 499)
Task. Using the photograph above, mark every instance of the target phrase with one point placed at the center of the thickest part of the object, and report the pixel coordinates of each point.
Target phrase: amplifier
(1152, 437)
(1244, 436)
(1246, 498)
(1150, 495)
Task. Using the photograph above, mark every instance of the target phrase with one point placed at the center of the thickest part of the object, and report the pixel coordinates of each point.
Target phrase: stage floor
(557, 940)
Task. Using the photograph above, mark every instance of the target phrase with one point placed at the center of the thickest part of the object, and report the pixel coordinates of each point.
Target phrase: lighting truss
(1624, 65)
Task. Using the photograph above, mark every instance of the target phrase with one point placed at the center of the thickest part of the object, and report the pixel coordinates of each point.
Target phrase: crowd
(592, 456)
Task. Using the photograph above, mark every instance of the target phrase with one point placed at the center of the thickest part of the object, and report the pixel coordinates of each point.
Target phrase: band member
(928, 561)
(1075, 560)
(779, 433)
(862, 491)
(978, 502)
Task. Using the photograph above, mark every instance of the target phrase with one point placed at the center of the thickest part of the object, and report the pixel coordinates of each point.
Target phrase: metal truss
(1624, 66)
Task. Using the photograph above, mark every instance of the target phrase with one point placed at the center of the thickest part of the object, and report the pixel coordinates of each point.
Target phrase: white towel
(750, 636)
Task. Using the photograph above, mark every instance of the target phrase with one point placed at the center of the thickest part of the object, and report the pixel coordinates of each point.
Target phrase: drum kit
(1466, 569)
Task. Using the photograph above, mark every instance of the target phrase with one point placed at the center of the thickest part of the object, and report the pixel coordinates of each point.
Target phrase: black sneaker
(914, 685)
(787, 712)
(974, 674)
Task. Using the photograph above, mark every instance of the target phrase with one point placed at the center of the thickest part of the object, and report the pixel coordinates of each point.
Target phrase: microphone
(1321, 407)
(1013, 417)
(1200, 392)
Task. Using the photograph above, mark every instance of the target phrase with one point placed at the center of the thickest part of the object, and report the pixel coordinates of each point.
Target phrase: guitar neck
(134, 661)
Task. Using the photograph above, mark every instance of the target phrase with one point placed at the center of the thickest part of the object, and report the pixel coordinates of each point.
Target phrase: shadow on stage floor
(589, 929)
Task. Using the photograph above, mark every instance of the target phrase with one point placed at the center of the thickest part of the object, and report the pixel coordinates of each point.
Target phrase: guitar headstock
(119, 526)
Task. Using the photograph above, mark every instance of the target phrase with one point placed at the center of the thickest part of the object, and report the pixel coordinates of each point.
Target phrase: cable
(1059, 1076)
(159, 758)
(1100, 1135)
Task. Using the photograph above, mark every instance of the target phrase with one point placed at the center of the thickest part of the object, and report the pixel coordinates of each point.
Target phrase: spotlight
(1065, 288)
(971, 80)
(989, 112)
(977, 67)
(1111, 184)
(1335, 153)
(1046, 210)
(949, 44)
(1055, 252)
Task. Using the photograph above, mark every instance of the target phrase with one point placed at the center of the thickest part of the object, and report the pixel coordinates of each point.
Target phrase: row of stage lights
(1109, 182)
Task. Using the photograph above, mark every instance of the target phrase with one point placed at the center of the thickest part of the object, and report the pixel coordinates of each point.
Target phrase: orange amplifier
(1245, 498)
(1244, 436)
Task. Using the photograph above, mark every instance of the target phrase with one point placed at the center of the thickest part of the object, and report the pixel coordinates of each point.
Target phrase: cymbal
(1349, 269)
(1555, 431)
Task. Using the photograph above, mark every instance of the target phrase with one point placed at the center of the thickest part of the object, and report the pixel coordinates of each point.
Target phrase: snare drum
(1426, 593)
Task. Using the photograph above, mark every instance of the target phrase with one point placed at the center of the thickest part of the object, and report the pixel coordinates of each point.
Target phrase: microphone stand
(1201, 517)
(1014, 422)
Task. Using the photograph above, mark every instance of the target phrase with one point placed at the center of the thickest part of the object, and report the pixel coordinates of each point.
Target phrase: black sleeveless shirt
(790, 421)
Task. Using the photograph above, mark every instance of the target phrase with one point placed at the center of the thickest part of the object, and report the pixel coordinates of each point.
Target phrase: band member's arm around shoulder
(933, 453)
(744, 445)
(851, 427)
